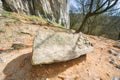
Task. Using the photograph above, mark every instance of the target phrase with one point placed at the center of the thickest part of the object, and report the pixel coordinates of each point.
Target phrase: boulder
(116, 78)
(50, 47)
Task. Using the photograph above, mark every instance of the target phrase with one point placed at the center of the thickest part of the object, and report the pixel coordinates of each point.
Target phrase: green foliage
(96, 31)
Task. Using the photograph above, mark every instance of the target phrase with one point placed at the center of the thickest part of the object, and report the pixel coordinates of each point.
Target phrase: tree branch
(91, 4)
(107, 8)
(101, 6)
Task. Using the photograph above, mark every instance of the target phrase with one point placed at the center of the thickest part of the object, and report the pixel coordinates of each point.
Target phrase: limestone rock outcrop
(50, 47)
(52, 10)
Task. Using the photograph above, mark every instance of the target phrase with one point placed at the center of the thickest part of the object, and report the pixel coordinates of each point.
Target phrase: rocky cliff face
(0, 4)
(53, 10)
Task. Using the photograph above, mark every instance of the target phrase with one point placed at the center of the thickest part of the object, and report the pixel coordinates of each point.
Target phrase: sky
(72, 2)
(74, 6)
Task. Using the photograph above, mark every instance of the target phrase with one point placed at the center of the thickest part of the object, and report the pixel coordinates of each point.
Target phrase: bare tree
(94, 8)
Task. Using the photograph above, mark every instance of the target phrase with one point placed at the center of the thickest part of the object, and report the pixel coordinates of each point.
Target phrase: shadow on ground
(21, 68)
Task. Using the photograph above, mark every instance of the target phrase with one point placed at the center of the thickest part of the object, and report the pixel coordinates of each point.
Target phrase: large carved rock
(52, 10)
(50, 47)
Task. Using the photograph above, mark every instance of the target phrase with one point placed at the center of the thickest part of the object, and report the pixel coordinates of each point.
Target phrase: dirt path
(16, 65)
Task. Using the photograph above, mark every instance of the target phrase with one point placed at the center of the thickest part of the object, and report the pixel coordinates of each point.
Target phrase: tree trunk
(83, 23)
(119, 36)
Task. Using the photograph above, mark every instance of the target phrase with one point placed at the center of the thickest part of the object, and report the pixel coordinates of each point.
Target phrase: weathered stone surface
(114, 52)
(52, 10)
(50, 47)
(116, 78)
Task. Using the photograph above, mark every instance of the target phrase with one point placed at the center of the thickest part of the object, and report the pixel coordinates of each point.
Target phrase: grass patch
(10, 15)
(6, 14)
(42, 20)
(29, 19)
(2, 31)
(57, 25)
(39, 19)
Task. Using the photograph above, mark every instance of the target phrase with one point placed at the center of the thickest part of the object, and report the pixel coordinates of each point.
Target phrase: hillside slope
(15, 61)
